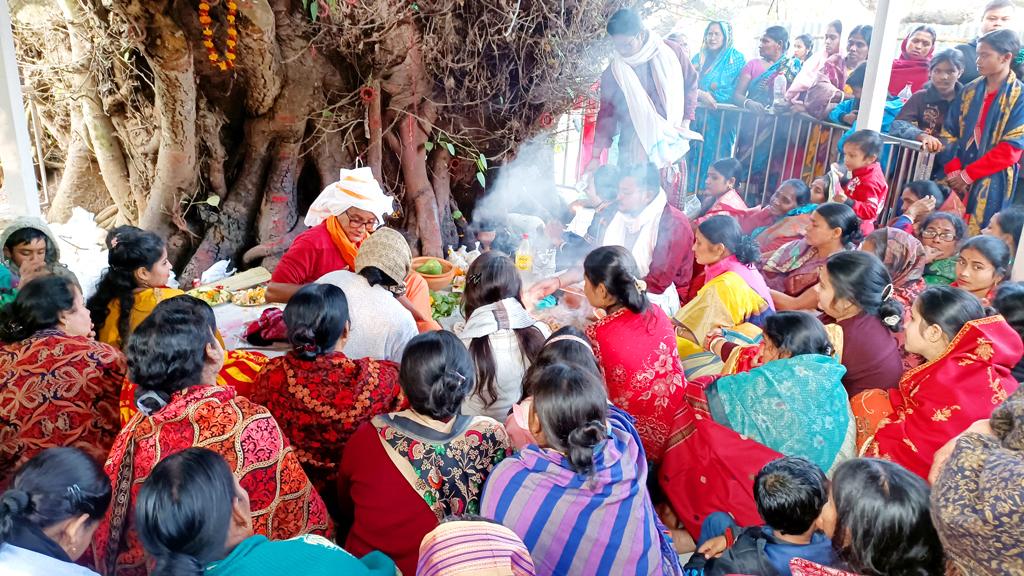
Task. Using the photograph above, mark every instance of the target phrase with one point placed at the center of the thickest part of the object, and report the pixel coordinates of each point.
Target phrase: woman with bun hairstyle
(634, 345)
(194, 519)
(49, 514)
(318, 395)
(735, 295)
(429, 454)
(589, 467)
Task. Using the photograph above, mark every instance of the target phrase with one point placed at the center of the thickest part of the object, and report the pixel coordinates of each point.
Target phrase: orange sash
(347, 248)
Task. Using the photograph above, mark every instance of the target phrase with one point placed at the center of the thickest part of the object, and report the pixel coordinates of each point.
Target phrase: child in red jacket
(867, 188)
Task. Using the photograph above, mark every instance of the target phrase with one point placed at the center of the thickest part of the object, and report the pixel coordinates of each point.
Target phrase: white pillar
(884, 42)
(15, 147)
(1017, 273)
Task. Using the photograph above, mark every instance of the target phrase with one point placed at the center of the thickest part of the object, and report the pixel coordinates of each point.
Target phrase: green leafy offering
(443, 304)
(431, 267)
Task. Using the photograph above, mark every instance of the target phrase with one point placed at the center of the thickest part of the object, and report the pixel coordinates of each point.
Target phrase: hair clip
(1019, 58)
(473, 278)
(887, 293)
(641, 285)
(150, 410)
(310, 348)
(74, 494)
(891, 320)
(457, 375)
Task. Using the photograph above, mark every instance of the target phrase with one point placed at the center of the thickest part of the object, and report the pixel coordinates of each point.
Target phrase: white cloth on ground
(379, 326)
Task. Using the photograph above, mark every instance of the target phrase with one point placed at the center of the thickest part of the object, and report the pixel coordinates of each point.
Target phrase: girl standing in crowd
(783, 220)
(502, 337)
(792, 270)
(984, 152)
(194, 519)
(404, 472)
(567, 345)
(634, 345)
(319, 395)
(50, 512)
(135, 281)
(968, 372)
(794, 402)
(857, 294)
(590, 464)
(720, 196)
(1007, 225)
(941, 234)
(734, 293)
(719, 64)
(803, 47)
(983, 264)
(878, 519)
(1009, 302)
(911, 67)
(174, 358)
(58, 386)
(922, 117)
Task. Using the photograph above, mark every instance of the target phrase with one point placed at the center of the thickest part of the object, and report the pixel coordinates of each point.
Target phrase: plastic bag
(216, 273)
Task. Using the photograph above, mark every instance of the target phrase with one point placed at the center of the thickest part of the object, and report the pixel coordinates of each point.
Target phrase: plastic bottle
(906, 93)
(779, 90)
(524, 255)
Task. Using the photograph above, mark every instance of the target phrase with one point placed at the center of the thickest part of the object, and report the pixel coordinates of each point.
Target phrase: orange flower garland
(228, 61)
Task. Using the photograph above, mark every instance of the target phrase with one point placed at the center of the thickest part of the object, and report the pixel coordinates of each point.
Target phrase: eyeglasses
(944, 236)
(358, 223)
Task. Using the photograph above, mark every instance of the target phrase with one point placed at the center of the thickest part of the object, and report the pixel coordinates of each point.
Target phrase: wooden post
(15, 147)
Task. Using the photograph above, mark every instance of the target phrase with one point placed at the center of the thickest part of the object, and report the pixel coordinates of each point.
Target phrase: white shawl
(507, 314)
(665, 138)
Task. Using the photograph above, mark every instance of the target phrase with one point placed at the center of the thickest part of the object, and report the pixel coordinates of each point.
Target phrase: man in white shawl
(344, 214)
(658, 235)
(648, 98)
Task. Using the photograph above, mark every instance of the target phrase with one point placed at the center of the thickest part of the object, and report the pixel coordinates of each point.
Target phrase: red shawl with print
(940, 399)
(283, 501)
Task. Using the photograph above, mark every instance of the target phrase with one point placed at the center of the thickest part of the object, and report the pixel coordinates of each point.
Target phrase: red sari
(283, 502)
(57, 390)
(640, 360)
(320, 403)
(940, 399)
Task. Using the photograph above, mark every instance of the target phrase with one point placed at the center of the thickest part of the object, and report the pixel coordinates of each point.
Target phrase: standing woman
(718, 64)
(634, 345)
(857, 45)
(922, 117)
(50, 512)
(58, 386)
(911, 67)
(985, 130)
(803, 47)
(983, 264)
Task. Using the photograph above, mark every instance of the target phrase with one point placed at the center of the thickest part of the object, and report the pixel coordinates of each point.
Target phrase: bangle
(559, 279)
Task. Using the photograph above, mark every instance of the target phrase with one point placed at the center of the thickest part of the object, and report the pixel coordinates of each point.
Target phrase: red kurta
(940, 399)
(57, 390)
(312, 255)
(672, 262)
(640, 360)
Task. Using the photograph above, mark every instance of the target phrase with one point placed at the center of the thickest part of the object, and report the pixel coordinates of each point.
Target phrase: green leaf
(314, 9)
(481, 179)
(213, 200)
(481, 162)
(429, 146)
(450, 147)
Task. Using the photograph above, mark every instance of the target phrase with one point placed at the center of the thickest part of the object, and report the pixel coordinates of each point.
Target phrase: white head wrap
(354, 189)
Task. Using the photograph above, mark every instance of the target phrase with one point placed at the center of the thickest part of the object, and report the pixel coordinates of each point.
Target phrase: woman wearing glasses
(941, 234)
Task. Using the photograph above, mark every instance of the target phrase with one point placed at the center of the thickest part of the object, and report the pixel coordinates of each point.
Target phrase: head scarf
(354, 189)
(465, 548)
(902, 253)
(907, 70)
(976, 500)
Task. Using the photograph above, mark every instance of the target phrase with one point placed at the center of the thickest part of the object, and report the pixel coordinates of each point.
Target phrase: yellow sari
(145, 302)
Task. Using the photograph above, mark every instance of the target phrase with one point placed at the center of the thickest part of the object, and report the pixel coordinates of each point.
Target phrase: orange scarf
(347, 248)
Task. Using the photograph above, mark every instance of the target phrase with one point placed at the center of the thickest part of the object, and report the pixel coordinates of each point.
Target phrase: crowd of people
(788, 389)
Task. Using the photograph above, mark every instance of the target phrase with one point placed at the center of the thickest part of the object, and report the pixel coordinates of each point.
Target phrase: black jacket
(970, 52)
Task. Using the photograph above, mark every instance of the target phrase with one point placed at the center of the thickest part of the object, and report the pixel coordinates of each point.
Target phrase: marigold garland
(227, 62)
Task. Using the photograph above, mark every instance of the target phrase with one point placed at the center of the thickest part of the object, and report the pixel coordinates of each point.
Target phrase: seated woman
(794, 402)
(1009, 302)
(317, 394)
(174, 358)
(917, 201)
(59, 386)
(735, 293)
(981, 475)
(135, 281)
(879, 521)
(1007, 225)
(470, 546)
(857, 294)
(502, 337)
(567, 345)
(784, 219)
(634, 345)
(381, 326)
(194, 519)
(339, 220)
(402, 473)
(720, 196)
(792, 270)
(941, 234)
(590, 466)
(970, 359)
(903, 255)
(983, 264)
(49, 514)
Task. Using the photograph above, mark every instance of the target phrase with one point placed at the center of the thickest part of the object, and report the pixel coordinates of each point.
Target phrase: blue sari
(718, 75)
(796, 406)
(1004, 123)
(756, 137)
